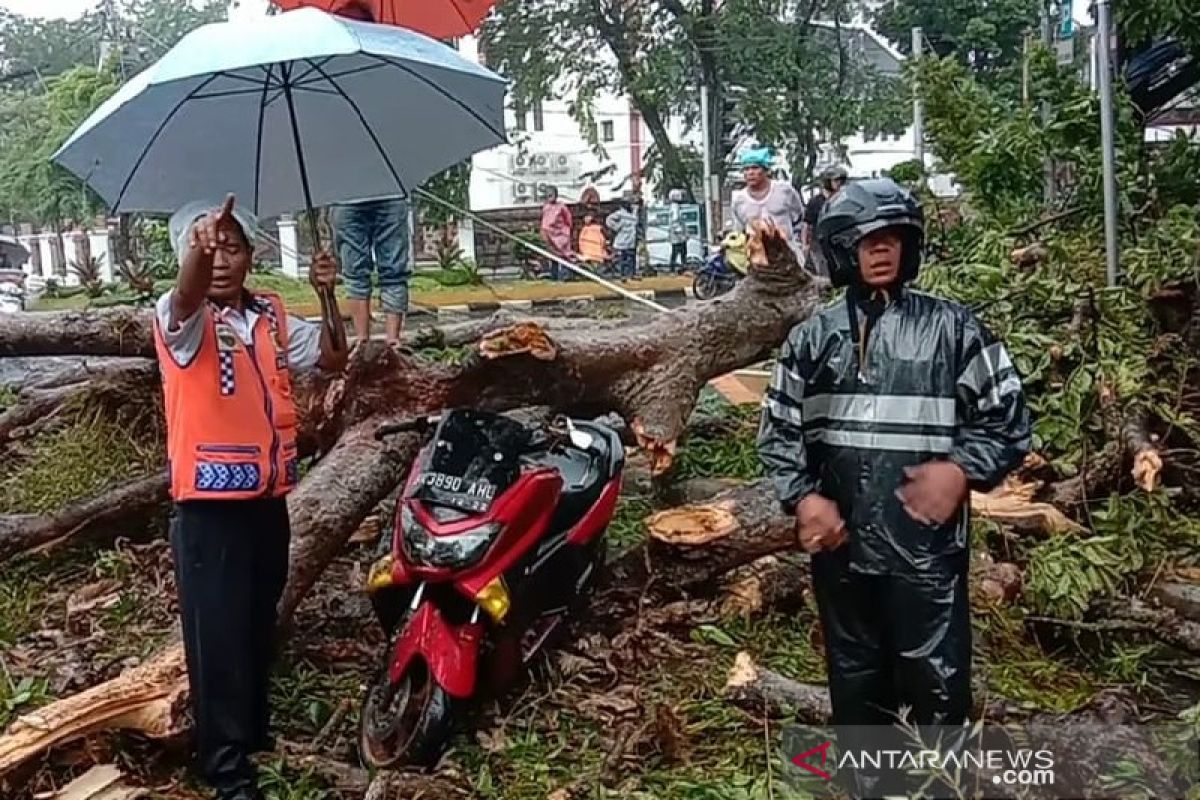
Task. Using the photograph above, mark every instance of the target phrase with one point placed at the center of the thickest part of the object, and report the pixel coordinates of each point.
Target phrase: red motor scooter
(499, 535)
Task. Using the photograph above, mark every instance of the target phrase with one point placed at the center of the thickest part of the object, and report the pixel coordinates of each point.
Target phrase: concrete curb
(463, 309)
(556, 302)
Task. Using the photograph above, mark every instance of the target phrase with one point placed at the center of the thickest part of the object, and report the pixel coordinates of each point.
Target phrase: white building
(548, 148)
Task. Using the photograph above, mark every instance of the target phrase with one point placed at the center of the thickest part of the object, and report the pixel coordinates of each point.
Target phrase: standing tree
(985, 35)
(808, 86)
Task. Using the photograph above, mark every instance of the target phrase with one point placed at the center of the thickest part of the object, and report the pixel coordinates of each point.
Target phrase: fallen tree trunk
(695, 545)
(649, 373)
(110, 385)
(20, 533)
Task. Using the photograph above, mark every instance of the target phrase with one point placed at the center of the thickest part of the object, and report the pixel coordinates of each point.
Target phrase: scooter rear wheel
(404, 722)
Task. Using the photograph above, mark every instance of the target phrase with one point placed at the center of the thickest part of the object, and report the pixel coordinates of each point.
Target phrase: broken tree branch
(20, 533)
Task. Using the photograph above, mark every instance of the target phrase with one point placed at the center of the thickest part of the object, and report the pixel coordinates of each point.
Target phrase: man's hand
(323, 271)
(216, 229)
(933, 492)
(819, 524)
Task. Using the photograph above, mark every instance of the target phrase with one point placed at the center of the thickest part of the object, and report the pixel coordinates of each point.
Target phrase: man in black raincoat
(885, 410)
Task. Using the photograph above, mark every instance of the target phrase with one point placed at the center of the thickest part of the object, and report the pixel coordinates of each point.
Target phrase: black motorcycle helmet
(860, 208)
(834, 177)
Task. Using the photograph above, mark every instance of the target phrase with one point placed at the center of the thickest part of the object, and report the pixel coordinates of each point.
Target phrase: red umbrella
(441, 19)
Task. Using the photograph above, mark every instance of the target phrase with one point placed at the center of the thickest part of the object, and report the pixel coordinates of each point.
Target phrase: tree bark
(113, 332)
(20, 533)
(759, 690)
(695, 545)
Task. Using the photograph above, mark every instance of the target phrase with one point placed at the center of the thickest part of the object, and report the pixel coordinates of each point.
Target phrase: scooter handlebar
(414, 424)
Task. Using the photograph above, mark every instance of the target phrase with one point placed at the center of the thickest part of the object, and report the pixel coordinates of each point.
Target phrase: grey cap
(182, 220)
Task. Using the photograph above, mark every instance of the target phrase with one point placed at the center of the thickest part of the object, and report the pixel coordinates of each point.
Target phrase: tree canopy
(985, 35)
(795, 84)
(52, 79)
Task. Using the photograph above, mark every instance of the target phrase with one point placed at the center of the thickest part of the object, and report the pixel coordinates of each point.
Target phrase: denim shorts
(378, 228)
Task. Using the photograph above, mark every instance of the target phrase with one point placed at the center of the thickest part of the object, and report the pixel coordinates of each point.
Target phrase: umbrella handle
(329, 317)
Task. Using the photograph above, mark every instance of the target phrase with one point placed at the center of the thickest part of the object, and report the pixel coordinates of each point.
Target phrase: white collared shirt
(184, 337)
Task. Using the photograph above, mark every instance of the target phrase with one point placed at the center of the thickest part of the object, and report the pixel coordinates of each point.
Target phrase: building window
(897, 137)
(519, 114)
(538, 121)
(606, 131)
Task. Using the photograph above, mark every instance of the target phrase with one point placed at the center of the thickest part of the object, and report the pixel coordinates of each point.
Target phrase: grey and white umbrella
(294, 111)
(298, 110)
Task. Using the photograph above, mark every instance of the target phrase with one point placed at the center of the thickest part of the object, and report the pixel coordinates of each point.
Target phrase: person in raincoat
(884, 411)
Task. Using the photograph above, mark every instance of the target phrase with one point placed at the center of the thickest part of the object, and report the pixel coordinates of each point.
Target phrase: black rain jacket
(844, 415)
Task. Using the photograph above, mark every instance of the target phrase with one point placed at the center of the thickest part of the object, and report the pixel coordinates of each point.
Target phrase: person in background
(226, 355)
(379, 229)
(373, 236)
(623, 224)
(677, 232)
(764, 198)
(556, 228)
(885, 410)
(593, 244)
(832, 180)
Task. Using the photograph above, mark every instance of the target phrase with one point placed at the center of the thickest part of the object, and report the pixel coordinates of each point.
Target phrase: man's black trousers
(892, 641)
(231, 560)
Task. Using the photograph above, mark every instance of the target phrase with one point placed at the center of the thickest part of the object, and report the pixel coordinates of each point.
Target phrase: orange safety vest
(592, 245)
(231, 422)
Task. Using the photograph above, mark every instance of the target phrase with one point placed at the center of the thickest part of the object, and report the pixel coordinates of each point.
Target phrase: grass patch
(628, 526)
(77, 461)
(18, 695)
(304, 697)
(27, 587)
(281, 782)
(1017, 669)
(729, 454)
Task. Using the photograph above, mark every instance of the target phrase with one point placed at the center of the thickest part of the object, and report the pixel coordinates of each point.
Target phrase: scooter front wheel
(408, 721)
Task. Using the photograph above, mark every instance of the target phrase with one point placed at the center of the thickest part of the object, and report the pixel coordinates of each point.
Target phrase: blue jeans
(627, 263)
(378, 227)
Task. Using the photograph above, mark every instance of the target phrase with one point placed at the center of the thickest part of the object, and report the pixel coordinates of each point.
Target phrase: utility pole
(918, 39)
(707, 147)
(1107, 144)
(1050, 191)
(1025, 48)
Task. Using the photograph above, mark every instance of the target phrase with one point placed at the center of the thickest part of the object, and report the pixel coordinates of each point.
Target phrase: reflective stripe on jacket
(231, 421)
(932, 384)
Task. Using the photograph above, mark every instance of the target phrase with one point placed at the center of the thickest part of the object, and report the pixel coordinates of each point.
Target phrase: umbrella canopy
(441, 19)
(300, 109)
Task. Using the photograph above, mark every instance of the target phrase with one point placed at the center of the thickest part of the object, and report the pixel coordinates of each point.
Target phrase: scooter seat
(584, 474)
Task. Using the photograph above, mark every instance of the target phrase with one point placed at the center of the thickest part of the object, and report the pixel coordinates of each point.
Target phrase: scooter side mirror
(579, 439)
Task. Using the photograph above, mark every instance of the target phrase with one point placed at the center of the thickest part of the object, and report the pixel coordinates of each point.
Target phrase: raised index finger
(226, 212)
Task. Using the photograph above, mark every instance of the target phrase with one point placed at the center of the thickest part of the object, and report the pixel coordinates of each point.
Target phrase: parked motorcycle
(499, 537)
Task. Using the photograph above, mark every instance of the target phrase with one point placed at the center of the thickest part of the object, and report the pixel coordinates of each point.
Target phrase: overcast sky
(73, 8)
